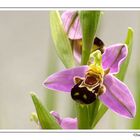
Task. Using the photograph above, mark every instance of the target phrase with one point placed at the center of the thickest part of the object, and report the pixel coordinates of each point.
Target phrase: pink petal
(118, 97)
(69, 123)
(77, 50)
(75, 30)
(63, 80)
(57, 116)
(113, 57)
(65, 123)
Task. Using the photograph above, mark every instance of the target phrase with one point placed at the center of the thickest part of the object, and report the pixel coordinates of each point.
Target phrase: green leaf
(128, 42)
(47, 121)
(136, 120)
(89, 21)
(60, 39)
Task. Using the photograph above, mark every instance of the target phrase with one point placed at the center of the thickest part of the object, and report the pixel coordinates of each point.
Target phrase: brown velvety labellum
(83, 95)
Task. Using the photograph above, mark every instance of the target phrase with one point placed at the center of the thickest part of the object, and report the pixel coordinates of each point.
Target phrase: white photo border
(98, 134)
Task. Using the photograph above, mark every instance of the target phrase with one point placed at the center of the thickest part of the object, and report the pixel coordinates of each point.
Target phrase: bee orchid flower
(72, 27)
(88, 82)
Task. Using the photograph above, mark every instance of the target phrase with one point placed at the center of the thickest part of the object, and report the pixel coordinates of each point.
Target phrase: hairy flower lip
(122, 103)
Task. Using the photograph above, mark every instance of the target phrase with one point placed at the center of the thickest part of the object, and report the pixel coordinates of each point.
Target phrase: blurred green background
(27, 57)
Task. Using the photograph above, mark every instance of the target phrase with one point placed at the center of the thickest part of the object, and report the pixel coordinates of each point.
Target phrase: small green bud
(34, 117)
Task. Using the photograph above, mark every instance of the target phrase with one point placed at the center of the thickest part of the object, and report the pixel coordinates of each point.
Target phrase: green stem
(93, 109)
(100, 114)
(82, 116)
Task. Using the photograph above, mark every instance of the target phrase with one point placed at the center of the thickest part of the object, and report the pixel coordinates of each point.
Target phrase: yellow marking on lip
(76, 94)
(95, 69)
(85, 96)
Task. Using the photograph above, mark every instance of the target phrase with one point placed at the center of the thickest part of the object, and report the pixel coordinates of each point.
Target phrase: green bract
(89, 21)
(47, 121)
(60, 39)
